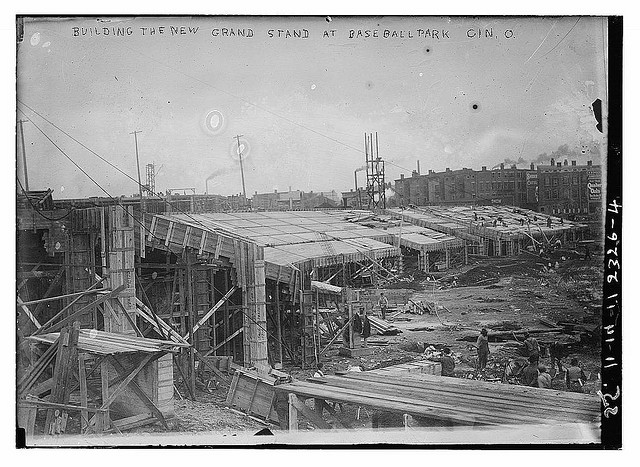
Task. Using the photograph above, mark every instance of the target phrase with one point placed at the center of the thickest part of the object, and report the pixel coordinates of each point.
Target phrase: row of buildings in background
(187, 200)
(562, 188)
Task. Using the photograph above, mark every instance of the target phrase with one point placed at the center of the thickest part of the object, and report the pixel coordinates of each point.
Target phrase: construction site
(183, 322)
(449, 307)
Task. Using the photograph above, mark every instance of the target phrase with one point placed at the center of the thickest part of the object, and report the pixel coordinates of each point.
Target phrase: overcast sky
(302, 104)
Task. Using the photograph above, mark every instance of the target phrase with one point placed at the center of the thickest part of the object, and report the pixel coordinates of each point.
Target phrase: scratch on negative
(540, 45)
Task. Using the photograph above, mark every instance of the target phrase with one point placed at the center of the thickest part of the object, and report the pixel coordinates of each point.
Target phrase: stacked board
(459, 401)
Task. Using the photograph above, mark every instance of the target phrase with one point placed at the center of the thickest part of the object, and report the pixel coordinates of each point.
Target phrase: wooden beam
(313, 417)
(84, 400)
(60, 313)
(112, 395)
(54, 283)
(293, 413)
(26, 310)
(229, 339)
(208, 314)
(140, 393)
(66, 355)
(34, 372)
(74, 315)
(60, 297)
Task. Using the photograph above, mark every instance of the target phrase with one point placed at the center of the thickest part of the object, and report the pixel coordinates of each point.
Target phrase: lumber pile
(456, 400)
(417, 367)
(382, 327)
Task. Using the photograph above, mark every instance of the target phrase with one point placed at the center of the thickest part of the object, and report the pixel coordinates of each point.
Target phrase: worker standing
(366, 326)
(447, 362)
(383, 303)
(532, 347)
(357, 331)
(575, 376)
(483, 349)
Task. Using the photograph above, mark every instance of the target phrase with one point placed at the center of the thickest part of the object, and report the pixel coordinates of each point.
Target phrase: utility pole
(24, 154)
(244, 190)
(142, 229)
(135, 137)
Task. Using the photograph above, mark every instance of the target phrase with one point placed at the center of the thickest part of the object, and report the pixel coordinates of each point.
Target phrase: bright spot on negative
(214, 122)
(35, 39)
(313, 86)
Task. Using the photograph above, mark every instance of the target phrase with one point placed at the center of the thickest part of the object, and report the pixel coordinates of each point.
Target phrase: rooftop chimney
(573, 162)
(566, 162)
(431, 171)
(484, 168)
(589, 163)
(513, 166)
(559, 164)
(418, 167)
(448, 169)
(553, 161)
(502, 166)
(532, 167)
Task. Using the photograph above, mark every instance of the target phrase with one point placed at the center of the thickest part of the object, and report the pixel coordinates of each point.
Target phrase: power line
(196, 221)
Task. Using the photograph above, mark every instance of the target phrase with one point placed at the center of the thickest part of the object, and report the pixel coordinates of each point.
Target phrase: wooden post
(225, 323)
(212, 275)
(102, 418)
(293, 413)
(190, 311)
(122, 267)
(259, 357)
(279, 321)
(82, 376)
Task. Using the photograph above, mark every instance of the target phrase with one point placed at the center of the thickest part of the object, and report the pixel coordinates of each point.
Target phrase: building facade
(559, 188)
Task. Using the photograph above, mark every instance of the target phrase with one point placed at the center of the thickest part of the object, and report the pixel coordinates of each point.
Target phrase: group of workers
(361, 326)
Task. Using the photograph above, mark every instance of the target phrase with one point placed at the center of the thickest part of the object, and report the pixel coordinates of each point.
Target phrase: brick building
(570, 189)
(559, 188)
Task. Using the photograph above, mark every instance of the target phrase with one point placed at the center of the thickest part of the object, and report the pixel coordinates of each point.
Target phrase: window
(547, 181)
(555, 181)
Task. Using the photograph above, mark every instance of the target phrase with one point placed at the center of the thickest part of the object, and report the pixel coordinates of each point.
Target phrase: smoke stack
(418, 162)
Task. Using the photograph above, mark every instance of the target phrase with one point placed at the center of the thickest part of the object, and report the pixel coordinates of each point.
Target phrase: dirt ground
(500, 294)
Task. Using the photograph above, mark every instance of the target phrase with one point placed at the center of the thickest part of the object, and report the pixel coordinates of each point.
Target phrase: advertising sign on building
(594, 186)
(532, 178)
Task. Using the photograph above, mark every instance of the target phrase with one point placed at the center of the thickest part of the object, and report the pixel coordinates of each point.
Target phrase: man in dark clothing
(575, 376)
(556, 353)
(530, 373)
(357, 331)
(483, 349)
(383, 303)
(532, 347)
(448, 363)
(366, 326)
(345, 332)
